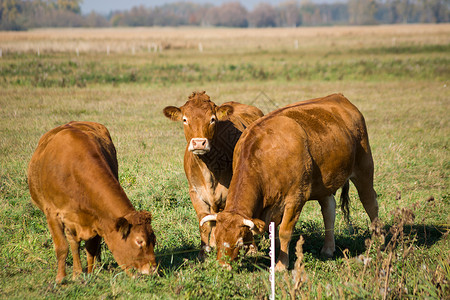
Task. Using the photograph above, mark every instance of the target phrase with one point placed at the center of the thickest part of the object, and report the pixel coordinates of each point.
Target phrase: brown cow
(73, 179)
(304, 151)
(211, 132)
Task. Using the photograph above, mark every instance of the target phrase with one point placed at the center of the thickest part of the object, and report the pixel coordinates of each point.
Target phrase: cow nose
(199, 146)
(147, 269)
(198, 143)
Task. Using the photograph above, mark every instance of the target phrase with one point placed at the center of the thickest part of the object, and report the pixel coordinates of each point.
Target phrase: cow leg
(202, 209)
(290, 217)
(61, 245)
(206, 231)
(367, 195)
(328, 207)
(93, 252)
(75, 247)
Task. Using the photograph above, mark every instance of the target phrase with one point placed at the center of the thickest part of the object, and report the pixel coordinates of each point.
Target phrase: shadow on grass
(426, 236)
(176, 258)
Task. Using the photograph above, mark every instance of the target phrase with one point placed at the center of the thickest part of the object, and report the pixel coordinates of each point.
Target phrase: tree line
(25, 14)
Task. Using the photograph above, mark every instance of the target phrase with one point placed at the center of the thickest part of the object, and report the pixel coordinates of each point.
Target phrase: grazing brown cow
(73, 179)
(304, 151)
(211, 132)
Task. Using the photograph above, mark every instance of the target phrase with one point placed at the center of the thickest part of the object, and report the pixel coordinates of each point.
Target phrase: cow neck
(220, 157)
(108, 197)
(244, 197)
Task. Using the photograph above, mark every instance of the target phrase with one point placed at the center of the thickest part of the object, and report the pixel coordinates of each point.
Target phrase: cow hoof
(226, 266)
(280, 267)
(252, 250)
(59, 279)
(204, 252)
(327, 253)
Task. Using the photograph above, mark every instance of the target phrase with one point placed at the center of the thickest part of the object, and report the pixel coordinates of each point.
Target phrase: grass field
(398, 76)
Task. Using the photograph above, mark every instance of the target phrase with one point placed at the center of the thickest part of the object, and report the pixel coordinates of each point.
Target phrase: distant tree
(289, 14)
(230, 14)
(435, 11)
(24, 14)
(362, 12)
(310, 14)
(10, 11)
(264, 15)
(95, 20)
(69, 5)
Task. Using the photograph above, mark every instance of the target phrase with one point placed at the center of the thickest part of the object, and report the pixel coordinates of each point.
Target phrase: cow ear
(123, 227)
(173, 113)
(259, 226)
(255, 225)
(224, 111)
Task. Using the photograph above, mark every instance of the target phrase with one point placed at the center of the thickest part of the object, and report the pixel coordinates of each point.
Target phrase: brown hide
(304, 151)
(73, 179)
(209, 172)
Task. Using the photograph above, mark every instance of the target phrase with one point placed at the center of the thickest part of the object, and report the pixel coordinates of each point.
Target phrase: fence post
(272, 259)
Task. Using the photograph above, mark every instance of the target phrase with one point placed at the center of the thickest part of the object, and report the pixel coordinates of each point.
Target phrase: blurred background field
(397, 75)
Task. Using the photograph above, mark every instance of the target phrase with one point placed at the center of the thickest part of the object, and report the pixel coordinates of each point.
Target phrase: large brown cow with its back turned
(211, 132)
(304, 151)
(73, 179)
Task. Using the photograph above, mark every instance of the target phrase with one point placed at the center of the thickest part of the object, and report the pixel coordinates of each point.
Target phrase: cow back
(333, 130)
(75, 165)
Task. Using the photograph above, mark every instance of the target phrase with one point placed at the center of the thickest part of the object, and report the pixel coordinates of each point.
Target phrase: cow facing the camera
(211, 133)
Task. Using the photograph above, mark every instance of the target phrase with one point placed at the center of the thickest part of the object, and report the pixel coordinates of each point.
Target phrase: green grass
(403, 95)
(58, 70)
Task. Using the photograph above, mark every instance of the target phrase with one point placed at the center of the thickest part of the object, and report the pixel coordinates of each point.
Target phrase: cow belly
(79, 225)
(333, 160)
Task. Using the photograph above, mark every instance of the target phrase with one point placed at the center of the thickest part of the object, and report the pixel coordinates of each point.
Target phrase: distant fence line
(107, 49)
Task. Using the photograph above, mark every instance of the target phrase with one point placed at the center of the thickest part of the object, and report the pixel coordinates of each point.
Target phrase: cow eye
(213, 119)
(185, 120)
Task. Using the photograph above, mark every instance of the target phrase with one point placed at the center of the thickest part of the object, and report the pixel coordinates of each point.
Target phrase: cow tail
(345, 202)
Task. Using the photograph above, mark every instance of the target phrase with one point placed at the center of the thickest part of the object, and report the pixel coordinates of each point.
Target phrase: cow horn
(207, 219)
(249, 223)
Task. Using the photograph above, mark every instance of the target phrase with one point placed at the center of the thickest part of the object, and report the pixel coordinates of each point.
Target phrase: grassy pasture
(398, 76)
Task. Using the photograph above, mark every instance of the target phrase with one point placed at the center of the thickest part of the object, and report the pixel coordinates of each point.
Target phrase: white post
(133, 50)
(200, 47)
(1, 52)
(296, 44)
(272, 258)
(38, 52)
(78, 52)
(107, 50)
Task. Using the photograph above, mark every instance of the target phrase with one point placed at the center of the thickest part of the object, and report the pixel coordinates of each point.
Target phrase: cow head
(199, 115)
(134, 241)
(233, 233)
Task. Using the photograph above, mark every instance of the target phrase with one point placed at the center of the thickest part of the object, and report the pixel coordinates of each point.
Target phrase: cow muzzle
(148, 269)
(199, 146)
